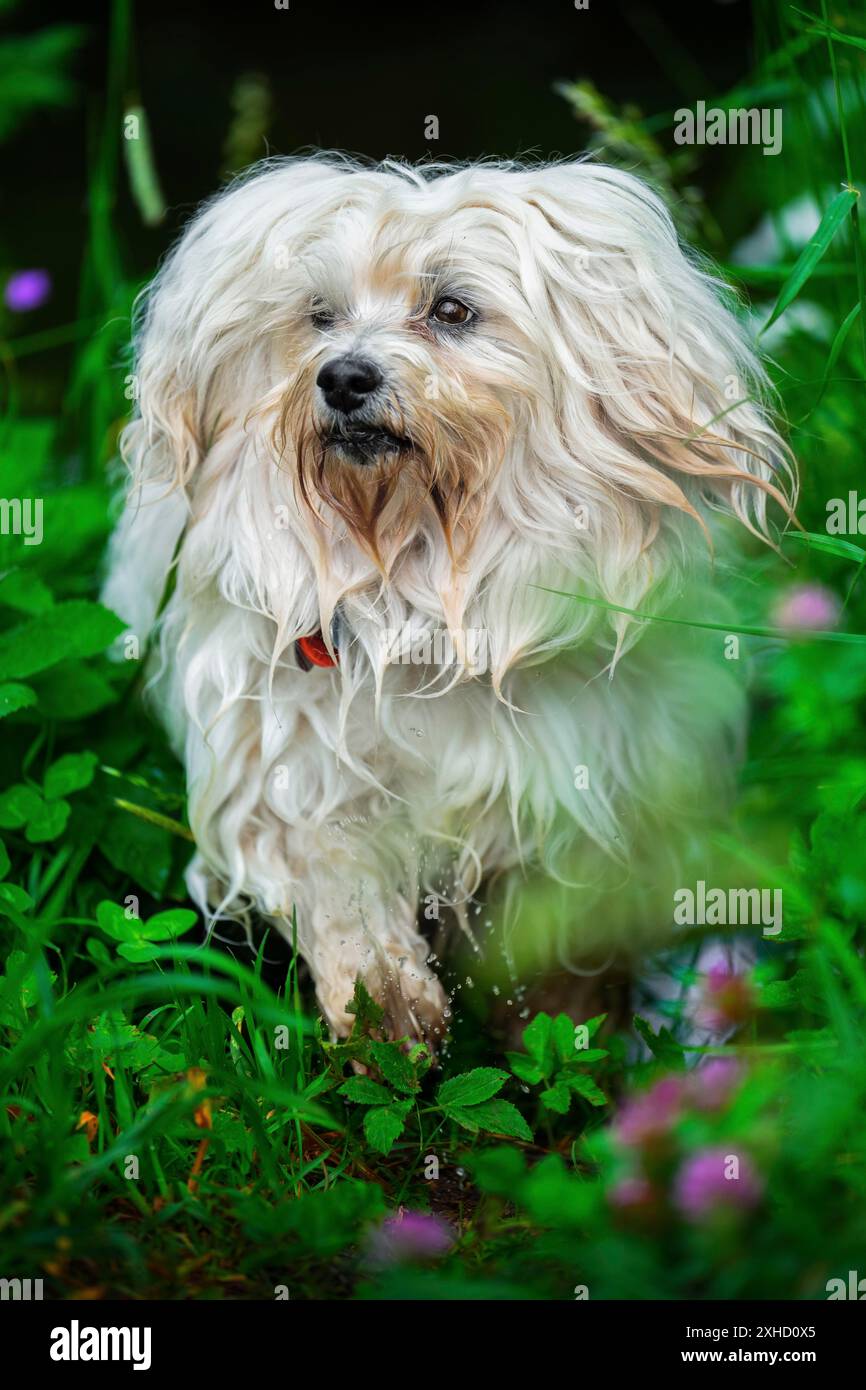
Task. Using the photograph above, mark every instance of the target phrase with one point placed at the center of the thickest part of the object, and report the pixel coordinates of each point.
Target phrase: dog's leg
(354, 931)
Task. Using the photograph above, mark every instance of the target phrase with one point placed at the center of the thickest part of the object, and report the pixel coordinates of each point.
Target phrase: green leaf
(70, 773)
(48, 821)
(420, 1059)
(785, 994)
(584, 1086)
(585, 1057)
(165, 926)
(829, 31)
(363, 1091)
(832, 545)
(384, 1124)
(4, 861)
(368, 1014)
(110, 1038)
(471, 1087)
(138, 938)
(558, 1098)
(494, 1116)
(21, 983)
(25, 591)
(137, 951)
(395, 1066)
(17, 804)
(592, 1025)
(139, 849)
(563, 1037)
(538, 1041)
(22, 805)
(113, 920)
(661, 1044)
(525, 1068)
(13, 896)
(14, 696)
(813, 251)
(98, 950)
(73, 629)
(72, 691)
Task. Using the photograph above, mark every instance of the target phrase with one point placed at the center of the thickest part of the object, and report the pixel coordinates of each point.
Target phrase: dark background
(360, 77)
(356, 76)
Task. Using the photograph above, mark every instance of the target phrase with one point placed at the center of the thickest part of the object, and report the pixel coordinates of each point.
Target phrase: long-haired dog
(390, 420)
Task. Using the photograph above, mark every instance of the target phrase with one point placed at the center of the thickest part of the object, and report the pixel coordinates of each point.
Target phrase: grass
(175, 1123)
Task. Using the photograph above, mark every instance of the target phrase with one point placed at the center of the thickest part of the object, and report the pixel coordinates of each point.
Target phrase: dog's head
(468, 361)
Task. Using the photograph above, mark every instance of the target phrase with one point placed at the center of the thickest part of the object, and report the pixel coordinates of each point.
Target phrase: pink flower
(711, 1180)
(410, 1235)
(727, 999)
(26, 290)
(712, 1084)
(647, 1118)
(807, 608)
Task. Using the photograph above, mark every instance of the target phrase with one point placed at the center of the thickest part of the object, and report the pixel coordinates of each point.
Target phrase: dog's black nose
(347, 381)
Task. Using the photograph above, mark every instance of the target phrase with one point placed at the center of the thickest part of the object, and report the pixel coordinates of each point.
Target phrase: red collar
(311, 651)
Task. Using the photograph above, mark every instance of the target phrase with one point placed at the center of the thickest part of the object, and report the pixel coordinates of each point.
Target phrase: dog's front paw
(397, 977)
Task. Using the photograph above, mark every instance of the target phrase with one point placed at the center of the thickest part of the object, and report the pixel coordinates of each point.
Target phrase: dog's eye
(321, 317)
(451, 311)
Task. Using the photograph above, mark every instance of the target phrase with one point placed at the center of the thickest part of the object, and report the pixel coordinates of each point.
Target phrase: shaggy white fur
(576, 431)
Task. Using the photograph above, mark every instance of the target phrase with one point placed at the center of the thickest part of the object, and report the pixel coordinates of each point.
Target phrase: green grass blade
(777, 634)
(813, 251)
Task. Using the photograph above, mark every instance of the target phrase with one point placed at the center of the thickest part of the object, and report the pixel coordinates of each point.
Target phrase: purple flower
(648, 1118)
(713, 1179)
(712, 1084)
(26, 290)
(410, 1235)
(807, 608)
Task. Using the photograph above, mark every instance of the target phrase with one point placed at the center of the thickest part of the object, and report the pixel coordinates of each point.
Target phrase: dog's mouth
(366, 444)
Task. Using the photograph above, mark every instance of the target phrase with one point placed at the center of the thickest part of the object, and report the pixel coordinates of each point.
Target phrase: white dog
(382, 404)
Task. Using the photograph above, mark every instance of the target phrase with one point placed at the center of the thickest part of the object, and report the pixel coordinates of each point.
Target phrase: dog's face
(411, 354)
